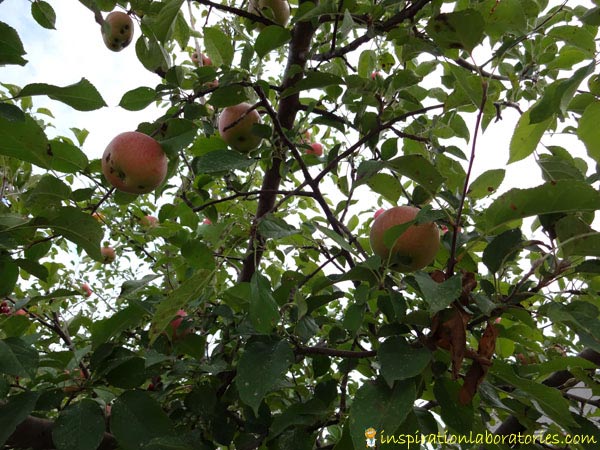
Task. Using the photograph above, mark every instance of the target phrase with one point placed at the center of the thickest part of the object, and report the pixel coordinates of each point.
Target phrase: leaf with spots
(260, 369)
(559, 196)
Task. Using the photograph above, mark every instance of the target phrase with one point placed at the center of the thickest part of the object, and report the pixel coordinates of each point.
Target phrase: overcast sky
(76, 50)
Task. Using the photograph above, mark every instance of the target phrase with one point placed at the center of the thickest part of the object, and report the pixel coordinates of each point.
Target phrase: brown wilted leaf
(449, 331)
(480, 366)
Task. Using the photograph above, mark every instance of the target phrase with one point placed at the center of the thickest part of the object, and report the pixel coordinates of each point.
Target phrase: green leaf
(10, 275)
(367, 62)
(313, 80)
(550, 400)
(48, 193)
(273, 227)
(221, 161)
(460, 29)
(136, 419)
(11, 112)
(439, 295)
(377, 406)
(399, 360)
(11, 47)
(152, 54)
(576, 237)
(138, 98)
(228, 96)
(577, 36)
(44, 14)
(264, 312)
(592, 17)
(106, 329)
(163, 25)
(33, 267)
(66, 157)
(80, 228)
(18, 358)
(271, 38)
(198, 254)
(418, 169)
(558, 96)
(14, 412)
(82, 96)
(588, 130)
(218, 46)
(503, 248)
(80, 426)
(24, 140)
(559, 196)
(190, 290)
(260, 369)
(526, 136)
(455, 415)
(386, 185)
(486, 184)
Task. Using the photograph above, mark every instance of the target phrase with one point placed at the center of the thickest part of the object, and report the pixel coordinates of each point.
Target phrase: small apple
(205, 60)
(207, 221)
(4, 308)
(315, 149)
(235, 127)
(498, 320)
(414, 249)
(276, 10)
(20, 312)
(378, 213)
(149, 222)
(98, 216)
(176, 323)
(86, 289)
(108, 254)
(117, 30)
(375, 74)
(134, 162)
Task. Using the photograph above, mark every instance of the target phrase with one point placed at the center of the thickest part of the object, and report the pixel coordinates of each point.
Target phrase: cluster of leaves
(301, 339)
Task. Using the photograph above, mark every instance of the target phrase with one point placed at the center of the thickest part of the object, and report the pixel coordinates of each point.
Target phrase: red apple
(20, 312)
(235, 127)
(117, 30)
(413, 249)
(134, 162)
(176, 323)
(108, 254)
(206, 61)
(149, 221)
(375, 74)
(315, 149)
(86, 289)
(207, 221)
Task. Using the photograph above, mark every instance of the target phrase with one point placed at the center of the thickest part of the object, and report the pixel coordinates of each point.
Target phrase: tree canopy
(239, 305)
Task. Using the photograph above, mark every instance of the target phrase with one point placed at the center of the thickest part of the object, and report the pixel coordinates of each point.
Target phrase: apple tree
(239, 305)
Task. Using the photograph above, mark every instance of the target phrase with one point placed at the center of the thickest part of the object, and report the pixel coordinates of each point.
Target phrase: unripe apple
(134, 162)
(149, 221)
(378, 213)
(235, 127)
(276, 10)
(108, 254)
(117, 31)
(414, 249)
(86, 289)
(315, 149)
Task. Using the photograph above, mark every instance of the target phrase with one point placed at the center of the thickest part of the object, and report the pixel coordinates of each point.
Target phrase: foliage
(300, 337)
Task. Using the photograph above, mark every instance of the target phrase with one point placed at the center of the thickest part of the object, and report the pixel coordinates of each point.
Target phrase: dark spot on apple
(140, 186)
(107, 159)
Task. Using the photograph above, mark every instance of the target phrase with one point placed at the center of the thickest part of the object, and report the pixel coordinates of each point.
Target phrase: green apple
(235, 127)
(276, 10)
